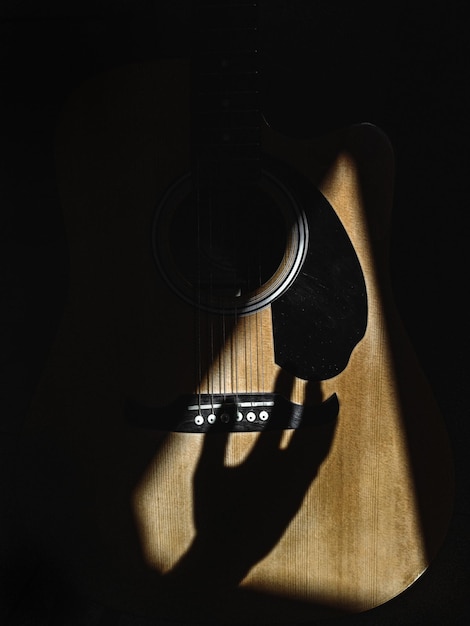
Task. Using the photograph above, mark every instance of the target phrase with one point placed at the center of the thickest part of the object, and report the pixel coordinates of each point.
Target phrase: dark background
(398, 65)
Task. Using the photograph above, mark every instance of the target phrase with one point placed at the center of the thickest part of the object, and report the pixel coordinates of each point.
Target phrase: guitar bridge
(244, 412)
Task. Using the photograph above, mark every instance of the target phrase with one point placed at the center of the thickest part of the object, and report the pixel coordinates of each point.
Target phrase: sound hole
(228, 243)
(229, 251)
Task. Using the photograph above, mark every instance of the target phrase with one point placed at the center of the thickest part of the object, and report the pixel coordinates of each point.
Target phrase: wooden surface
(378, 488)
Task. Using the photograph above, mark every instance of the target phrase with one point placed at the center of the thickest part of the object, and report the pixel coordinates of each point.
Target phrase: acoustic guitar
(232, 425)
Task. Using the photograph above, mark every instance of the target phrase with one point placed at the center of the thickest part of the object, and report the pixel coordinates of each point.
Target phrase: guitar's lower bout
(231, 413)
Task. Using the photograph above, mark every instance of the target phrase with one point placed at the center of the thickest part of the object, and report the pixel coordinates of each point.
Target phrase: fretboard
(225, 105)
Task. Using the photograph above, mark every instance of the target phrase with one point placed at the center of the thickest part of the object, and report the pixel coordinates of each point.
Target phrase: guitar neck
(225, 106)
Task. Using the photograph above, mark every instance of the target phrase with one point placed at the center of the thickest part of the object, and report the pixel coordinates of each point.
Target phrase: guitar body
(336, 513)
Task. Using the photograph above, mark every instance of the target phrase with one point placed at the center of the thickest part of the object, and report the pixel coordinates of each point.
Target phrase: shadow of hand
(242, 511)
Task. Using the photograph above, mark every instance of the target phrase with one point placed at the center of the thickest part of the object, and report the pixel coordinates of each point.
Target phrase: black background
(326, 64)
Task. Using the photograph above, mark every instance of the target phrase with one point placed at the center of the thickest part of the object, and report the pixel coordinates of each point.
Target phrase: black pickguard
(319, 320)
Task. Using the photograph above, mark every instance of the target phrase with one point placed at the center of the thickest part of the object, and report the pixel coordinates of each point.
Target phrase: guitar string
(233, 330)
(260, 333)
(235, 357)
(236, 330)
(250, 341)
(220, 348)
(223, 352)
(210, 318)
(199, 299)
